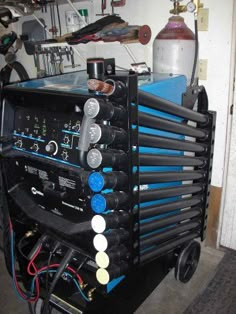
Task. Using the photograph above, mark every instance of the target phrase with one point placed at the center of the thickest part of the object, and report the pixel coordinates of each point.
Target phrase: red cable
(10, 225)
(68, 267)
(36, 283)
(20, 291)
(31, 263)
(37, 271)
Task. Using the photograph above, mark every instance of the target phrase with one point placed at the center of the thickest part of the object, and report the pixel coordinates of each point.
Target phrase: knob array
(111, 199)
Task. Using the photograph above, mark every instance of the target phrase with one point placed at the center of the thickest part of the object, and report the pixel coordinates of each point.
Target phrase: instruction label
(68, 183)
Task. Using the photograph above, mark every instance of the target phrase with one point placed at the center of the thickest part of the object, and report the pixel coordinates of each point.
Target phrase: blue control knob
(96, 181)
(98, 203)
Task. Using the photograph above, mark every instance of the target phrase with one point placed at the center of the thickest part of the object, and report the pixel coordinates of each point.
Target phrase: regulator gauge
(191, 7)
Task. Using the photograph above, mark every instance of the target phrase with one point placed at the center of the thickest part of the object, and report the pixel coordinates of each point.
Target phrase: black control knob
(35, 147)
(66, 139)
(19, 143)
(64, 155)
(52, 148)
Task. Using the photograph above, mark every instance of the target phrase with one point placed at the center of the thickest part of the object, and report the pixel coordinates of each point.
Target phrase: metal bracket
(190, 96)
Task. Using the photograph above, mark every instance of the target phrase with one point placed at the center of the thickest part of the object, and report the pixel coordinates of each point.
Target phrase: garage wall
(215, 45)
(228, 234)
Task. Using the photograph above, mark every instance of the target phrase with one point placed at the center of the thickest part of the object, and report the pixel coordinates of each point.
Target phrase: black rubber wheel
(187, 261)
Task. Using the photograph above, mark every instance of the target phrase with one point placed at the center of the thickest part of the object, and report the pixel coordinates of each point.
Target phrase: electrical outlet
(203, 20)
(202, 69)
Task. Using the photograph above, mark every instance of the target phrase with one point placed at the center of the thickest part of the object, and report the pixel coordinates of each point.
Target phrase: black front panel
(54, 189)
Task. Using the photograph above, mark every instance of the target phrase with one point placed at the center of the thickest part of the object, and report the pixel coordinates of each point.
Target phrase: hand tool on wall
(103, 8)
(117, 3)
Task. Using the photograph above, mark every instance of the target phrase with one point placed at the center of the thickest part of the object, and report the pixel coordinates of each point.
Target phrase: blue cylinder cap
(98, 203)
(96, 181)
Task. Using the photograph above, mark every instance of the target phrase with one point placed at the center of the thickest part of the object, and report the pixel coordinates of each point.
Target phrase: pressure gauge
(191, 7)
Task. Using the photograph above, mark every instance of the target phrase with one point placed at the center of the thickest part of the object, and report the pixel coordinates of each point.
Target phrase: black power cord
(48, 264)
(58, 274)
(1, 249)
(31, 311)
(20, 246)
(196, 51)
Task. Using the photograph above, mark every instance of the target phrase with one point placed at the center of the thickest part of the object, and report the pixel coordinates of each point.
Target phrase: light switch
(202, 69)
(203, 20)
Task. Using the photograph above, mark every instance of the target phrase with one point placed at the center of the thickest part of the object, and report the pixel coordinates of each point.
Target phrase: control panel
(51, 136)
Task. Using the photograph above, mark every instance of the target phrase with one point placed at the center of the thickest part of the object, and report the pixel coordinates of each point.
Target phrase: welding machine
(103, 193)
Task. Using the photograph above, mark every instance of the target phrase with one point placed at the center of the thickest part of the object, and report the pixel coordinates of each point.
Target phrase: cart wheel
(187, 261)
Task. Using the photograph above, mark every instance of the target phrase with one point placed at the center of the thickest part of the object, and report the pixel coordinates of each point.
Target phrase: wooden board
(213, 216)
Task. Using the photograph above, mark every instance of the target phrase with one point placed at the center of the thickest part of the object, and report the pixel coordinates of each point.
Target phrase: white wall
(215, 45)
(228, 232)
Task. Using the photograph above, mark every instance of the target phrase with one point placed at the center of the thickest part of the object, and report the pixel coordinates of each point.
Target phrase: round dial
(191, 7)
(52, 148)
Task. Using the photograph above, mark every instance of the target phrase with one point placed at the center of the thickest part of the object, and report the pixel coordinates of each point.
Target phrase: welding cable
(20, 245)
(47, 274)
(23, 296)
(60, 270)
(78, 269)
(73, 271)
(1, 249)
(51, 271)
(30, 308)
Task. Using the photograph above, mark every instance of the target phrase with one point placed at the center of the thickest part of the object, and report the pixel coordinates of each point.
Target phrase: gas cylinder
(174, 49)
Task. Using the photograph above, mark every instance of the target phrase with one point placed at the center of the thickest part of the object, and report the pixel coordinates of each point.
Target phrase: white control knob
(52, 148)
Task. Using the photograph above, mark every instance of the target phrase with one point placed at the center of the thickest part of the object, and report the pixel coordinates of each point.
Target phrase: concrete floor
(170, 297)
(173, 297)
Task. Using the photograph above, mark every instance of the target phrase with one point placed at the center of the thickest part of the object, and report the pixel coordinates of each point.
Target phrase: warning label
(68, 183)
(40, 173)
